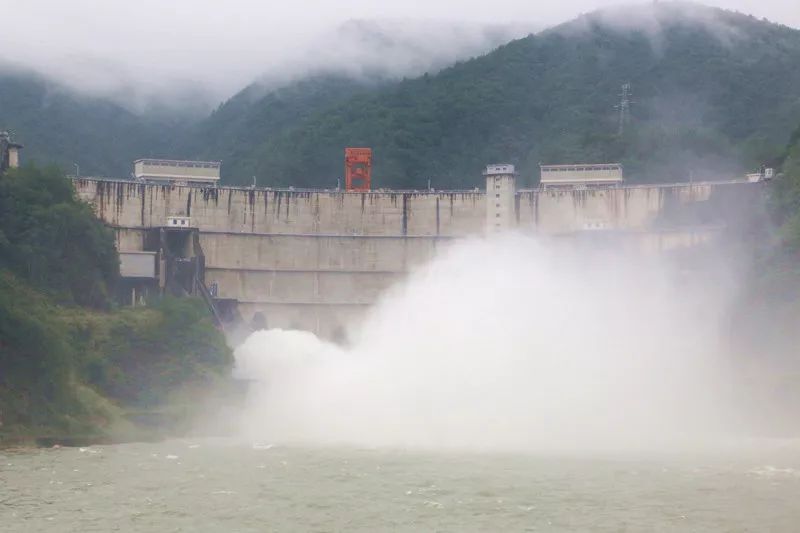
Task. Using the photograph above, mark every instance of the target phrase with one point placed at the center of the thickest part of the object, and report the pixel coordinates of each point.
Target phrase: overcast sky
(217, 47)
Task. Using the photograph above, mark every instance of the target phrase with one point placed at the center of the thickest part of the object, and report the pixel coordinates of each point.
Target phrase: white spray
(510, 344)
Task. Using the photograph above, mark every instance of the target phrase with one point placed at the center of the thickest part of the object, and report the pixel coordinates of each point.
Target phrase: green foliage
(786, 196)
(76, 372)
(713, 97)
(234, 132)
(68, 366)
(37, 368)
(57, 125)
(53, 240)
(141, 357)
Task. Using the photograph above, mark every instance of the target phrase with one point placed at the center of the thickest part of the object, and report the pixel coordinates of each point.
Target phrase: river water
(215, 485)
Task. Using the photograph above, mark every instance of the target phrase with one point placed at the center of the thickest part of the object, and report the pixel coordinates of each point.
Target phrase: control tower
(500, 193)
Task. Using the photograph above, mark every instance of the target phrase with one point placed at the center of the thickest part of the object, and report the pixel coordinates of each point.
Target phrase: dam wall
(261, 211)
(315, 259)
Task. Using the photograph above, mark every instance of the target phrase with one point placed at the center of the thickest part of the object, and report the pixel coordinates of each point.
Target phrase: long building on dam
(315, 259)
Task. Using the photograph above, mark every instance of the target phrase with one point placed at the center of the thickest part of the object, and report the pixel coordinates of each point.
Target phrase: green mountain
(368, 55)
(235, 132)
(714, 94)
(58, 125)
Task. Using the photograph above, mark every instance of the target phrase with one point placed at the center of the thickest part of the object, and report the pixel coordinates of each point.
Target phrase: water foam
(511, 344)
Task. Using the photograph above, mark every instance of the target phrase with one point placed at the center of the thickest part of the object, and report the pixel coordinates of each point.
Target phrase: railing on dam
(737, 181)
(281, 189)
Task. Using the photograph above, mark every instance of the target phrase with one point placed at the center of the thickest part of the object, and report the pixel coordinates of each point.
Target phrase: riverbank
(74, 365)
(106, 376)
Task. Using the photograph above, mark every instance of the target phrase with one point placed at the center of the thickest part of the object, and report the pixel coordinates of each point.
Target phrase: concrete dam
(315, 259)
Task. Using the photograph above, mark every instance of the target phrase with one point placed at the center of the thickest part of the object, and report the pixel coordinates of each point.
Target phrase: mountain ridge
(549, 97)
(60, 126)
(712, 98)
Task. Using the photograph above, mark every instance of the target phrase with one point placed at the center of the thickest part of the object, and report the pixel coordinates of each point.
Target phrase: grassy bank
(84, 375)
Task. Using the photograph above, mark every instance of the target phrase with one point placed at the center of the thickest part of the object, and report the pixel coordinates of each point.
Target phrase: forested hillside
(72, 365)
(236, 130)
(714, 94)
(59, 126)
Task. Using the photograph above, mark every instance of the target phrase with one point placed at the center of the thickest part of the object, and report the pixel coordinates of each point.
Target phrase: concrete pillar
(500, 192)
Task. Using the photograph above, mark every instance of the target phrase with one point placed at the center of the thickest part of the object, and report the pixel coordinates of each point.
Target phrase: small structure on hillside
(581, 176)
(764, 174)
(138, 272)
(177, 172)
(9, 152)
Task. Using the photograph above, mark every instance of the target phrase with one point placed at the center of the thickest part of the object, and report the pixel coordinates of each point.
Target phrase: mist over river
(236, 486)
(513, 343)
(509, 385)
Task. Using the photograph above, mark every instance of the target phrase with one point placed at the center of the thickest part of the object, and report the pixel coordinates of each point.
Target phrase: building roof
(499, 169)
(175, 161)
(583, 166)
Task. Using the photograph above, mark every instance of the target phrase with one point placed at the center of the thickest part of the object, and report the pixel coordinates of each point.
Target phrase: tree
(51, 239)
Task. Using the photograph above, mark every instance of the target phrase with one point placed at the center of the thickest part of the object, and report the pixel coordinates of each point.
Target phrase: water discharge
(506, 344)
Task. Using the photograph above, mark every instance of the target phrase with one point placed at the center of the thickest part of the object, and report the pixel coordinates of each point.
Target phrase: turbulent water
(510, 385)
(205, 486)
(509, 344)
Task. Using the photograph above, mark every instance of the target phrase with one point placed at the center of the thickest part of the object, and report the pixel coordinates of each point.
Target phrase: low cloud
(652, 19)
(196, 78)
(193, 53)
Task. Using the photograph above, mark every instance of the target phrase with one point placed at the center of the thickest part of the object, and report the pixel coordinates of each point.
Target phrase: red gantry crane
(357, 169)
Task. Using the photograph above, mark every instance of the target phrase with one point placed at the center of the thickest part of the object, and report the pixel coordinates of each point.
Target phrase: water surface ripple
(205, 485)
